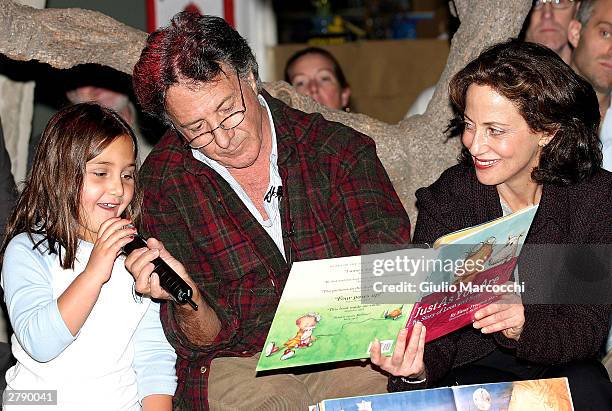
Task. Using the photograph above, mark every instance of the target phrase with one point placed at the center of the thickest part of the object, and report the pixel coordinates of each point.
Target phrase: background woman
(316, 73)
(529, 129)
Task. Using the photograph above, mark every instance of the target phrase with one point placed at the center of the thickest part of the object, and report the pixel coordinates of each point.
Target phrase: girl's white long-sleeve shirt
(119, 356)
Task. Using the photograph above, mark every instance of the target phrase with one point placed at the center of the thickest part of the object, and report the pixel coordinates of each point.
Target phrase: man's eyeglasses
(198, 139)
(556, 4)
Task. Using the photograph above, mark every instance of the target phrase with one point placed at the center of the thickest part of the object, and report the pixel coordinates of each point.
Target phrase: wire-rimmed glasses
(556, 4)
(202, 139)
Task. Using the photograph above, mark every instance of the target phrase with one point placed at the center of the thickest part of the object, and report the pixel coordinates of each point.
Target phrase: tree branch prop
(414, 151)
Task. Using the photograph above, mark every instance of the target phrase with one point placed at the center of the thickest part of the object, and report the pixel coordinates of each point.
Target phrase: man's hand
(201, 326)
(147, 282)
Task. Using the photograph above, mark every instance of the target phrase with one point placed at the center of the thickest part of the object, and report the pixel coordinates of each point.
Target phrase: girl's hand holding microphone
(113, 234)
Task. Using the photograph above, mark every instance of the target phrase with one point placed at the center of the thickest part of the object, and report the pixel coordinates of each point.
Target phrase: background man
(239, 188)
(548, 23)
(103, 86)
(118, 101)
(590, 33)
(591, 36)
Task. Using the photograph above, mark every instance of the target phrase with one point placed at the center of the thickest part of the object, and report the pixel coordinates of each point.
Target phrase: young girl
(79, 328)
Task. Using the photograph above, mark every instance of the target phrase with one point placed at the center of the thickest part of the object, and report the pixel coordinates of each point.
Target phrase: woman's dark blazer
(553, 333)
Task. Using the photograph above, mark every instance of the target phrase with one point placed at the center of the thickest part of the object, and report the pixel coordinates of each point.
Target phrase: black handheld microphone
(168, 278)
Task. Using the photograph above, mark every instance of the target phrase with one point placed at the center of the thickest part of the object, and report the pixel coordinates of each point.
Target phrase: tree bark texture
(17, 104)
(414, 151)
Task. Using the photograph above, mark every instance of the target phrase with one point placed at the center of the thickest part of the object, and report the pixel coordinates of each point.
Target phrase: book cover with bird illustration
(484, 260)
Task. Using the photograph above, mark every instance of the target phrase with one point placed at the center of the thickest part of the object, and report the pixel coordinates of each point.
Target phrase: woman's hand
(113, 234)
(147, 282)
(506, 315)
(407, 360)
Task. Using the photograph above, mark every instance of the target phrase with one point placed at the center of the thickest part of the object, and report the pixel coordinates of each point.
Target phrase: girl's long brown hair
(49, 203)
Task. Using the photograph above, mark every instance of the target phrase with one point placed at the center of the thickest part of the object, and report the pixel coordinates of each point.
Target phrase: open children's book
(534, 395)
(332, 309)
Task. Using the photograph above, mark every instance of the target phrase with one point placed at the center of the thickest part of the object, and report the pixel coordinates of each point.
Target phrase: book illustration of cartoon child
(303, 338)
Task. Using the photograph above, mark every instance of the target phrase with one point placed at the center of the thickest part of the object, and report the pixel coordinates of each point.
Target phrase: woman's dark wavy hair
(192, 49)
(548, 95)
(50, 201)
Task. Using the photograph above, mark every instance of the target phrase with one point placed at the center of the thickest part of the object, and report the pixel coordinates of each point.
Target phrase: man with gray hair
(590, 33)
(241, 186)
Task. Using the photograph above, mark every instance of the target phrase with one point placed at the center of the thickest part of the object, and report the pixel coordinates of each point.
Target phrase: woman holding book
(528, 125)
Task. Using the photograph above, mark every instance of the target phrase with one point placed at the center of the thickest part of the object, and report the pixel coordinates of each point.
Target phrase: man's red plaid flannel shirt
(337, 198)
